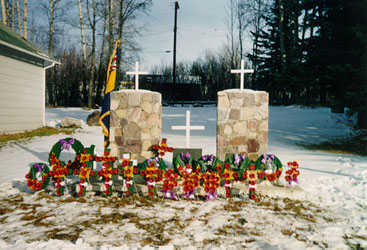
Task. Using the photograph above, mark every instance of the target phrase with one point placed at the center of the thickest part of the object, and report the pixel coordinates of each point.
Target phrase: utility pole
(174, 44)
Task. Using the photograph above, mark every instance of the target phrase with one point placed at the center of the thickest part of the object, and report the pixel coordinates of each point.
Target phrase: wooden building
(22, 82)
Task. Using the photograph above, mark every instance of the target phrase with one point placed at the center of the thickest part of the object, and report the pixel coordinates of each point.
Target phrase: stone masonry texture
(135, 123)
(242, 123)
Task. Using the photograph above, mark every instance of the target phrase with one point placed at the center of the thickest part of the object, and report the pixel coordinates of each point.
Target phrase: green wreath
(271, 167)
(181, 160)
(38, 177)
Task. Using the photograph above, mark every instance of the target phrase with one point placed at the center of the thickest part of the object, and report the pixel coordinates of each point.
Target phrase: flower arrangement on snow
(186, 176)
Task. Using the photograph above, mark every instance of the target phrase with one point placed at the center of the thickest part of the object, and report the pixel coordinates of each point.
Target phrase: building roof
(10, 38)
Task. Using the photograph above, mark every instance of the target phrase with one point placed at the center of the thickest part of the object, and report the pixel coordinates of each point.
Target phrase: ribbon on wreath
(169, 194)
(66, 144)
(211, 196)
(189, 194)
(207, 157)
(38, 167)
(185, 156)
(238, 158)
(270, 158)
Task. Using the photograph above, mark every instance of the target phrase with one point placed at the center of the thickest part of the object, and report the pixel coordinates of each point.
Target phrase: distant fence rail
(194, 103)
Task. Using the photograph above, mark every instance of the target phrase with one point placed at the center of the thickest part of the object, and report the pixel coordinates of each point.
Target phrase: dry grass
(44, 131)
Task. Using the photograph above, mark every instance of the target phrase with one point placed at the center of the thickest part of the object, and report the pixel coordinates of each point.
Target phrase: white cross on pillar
(136, 73)
(188, 127)
(242, 71)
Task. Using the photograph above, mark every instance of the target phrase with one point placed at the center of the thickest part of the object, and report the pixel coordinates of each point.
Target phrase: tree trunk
(3, 11)
(281, 36)
(110, 28)
(25, 14)
(13, 15)
(19, 23)
(50, 86)
(84, 54)
(101, 59)
(92, 24)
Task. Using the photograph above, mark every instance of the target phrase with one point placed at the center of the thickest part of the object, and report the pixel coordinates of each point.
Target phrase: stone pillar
(135, 123)
(242, 123)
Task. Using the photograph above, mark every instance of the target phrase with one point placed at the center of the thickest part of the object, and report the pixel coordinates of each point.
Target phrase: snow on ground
(334, 214)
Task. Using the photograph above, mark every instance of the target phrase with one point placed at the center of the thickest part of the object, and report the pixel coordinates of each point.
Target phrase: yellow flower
(150, 172)
(228, 174)
(84, 173)
(84, 157)
(252, 175)
(129, 171)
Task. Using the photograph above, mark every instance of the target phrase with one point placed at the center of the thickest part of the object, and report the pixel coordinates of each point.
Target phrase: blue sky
(201, 26)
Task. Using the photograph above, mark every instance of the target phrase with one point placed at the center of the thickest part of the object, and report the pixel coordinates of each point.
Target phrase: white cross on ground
(242, 71)
(136, 73)
(188, 127)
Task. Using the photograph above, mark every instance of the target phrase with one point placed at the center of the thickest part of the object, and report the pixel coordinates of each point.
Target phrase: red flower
(106, 153)
(227, 166)
(260, 175)
(82, 180)
(142, 172)
(59, 180)
(116, 171)
(108, 192)
(128, 186)
(128, 192)
(150, 187)
(216, 185)
(278, 173)
(252, 167)
(150, 193)
(29, 183)
(76, 171)
(51, 173)
(253, 196)
(252, 190)
(175, 175)
(128, 178)
(170, 186)
(236, 175)
(27, 176)
(107, 179)
(58, 193)
(219, 169)
(287, 178)
(152, 164)
(228, 194)
(228, 182)
(165, 187)
(244, 175)
(252, 183)
(38, 186)
(191, 188)
(92, 173)
(226, 175)
(212, 189)
(198, 170)
(80, 193)
(252, 176)
(186, 189)
(228, 188)
(175, 183)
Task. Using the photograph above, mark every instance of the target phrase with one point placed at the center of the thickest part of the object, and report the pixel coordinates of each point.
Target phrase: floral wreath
(234, 167)
(212, 169)
(59, 168)
(271, 167)
(37, 176)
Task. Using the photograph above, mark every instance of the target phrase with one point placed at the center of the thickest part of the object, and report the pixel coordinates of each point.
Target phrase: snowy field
(333, 214)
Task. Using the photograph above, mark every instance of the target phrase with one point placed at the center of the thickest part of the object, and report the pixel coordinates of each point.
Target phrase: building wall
(21, 95)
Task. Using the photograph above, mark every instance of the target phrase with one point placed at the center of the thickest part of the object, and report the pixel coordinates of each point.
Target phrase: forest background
(304, 52)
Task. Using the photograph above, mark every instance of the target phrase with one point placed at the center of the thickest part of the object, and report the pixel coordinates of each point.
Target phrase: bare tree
(282, 35)
(3, 12)
(93, 25)
(19, 24)
(84, 52)
(25, 15)
(13, 15)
